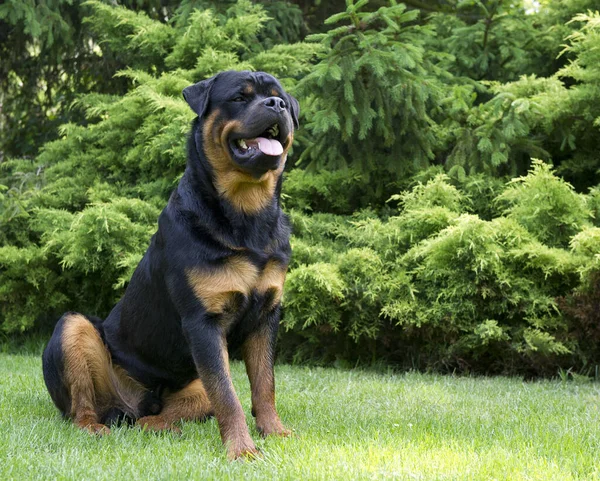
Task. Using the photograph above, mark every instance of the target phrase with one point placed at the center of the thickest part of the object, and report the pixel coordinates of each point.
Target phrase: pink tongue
(269, 146)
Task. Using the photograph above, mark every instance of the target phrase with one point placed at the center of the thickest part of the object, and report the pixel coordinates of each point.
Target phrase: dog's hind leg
(189, 404)
(77, 354)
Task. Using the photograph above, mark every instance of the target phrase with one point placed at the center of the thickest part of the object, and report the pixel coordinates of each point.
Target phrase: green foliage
(371, 91)
(30, 288)
(473, 293)
(141, 41)
(546, 205)
(543, 117)
(587, 244)
(594, 204)
(437, 192)
(314, 293)
(497, 134)
(49, 57)
(339, 191)
(481, 191)
(411, 245)
(488, 39)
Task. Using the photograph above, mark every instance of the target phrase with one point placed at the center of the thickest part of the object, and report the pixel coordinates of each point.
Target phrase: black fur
(160, 332)
(53, 368)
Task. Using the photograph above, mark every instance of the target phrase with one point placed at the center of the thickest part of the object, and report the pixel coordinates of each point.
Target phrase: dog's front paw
(157, 424)
(242, 447)
(246, 453)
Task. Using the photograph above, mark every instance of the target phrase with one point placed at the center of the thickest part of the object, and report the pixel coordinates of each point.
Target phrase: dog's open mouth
(268, 143)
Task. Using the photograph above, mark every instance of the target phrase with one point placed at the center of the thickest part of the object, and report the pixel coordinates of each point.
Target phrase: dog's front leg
(209, 350)
(258, 351)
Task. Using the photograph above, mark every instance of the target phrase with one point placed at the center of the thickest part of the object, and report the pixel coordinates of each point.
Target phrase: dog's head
(248, 121)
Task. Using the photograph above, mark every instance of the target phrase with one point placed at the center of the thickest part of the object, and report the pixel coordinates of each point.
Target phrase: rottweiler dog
(211, 280)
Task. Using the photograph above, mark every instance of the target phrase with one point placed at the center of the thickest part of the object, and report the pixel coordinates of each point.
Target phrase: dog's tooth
(242, 143)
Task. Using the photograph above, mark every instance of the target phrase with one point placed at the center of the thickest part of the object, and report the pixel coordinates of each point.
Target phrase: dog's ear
(197, 95)
(294, 109)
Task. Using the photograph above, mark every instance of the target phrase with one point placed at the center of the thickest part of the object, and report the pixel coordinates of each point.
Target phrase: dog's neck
(238, 228)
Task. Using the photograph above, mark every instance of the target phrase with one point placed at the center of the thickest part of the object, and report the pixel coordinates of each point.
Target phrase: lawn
(348, 425)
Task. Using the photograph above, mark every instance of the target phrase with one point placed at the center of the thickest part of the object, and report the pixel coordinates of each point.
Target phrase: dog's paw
(157, 424)
(240, 446)
(244, 452)
(96, 429)
(272, 427)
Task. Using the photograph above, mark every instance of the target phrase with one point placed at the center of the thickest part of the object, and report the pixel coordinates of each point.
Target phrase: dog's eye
(239, 98)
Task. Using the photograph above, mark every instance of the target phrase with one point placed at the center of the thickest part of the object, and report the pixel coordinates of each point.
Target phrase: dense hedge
(438, 285)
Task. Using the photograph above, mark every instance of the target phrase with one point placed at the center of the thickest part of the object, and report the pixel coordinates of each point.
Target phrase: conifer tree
(554, 117)
(48, 57)
(369, 99)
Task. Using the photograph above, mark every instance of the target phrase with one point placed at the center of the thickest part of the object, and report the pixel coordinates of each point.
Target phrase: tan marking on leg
(129, 392)
(189, 404)
(225, 355)
(215, 286)
(272, 278)
(244, 192)
(227, 408)
(237, 440)
(234, 430)
(87, 373)
(94, 383)
(257, 353)
(157, 423)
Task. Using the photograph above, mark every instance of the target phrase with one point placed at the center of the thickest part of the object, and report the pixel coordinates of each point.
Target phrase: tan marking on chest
(272, 279)
(216, 287)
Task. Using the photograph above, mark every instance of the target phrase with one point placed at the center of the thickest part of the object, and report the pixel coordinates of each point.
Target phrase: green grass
(348, 425)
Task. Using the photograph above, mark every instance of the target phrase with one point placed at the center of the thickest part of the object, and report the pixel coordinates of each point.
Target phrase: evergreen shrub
(466, 292)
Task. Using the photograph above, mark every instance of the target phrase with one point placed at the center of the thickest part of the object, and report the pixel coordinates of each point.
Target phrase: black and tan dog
(211, 279)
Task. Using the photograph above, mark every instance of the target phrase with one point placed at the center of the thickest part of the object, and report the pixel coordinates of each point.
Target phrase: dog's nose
(275, 103)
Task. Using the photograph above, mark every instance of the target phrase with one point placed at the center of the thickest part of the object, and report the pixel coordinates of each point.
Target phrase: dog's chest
(217, 287)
